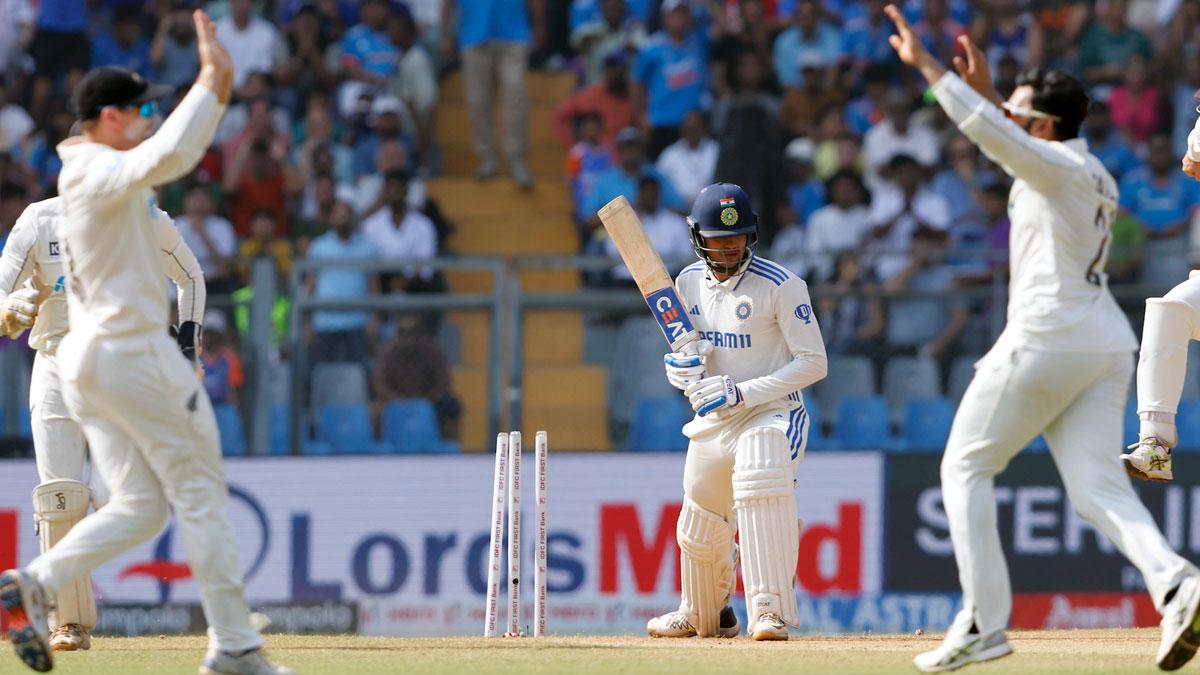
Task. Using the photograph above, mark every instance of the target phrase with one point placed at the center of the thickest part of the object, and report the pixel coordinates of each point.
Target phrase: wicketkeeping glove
(18, 311)
(687, 366)
(713, 393)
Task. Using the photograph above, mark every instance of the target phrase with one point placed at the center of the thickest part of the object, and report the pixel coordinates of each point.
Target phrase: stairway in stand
(562, 394)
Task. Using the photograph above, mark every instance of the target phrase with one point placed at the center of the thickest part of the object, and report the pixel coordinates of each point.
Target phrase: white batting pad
(1162, 362)
(57, 506)
(765, 501)
(706, 565)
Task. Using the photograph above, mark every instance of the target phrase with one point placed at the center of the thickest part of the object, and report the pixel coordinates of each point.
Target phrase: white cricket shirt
(763, 329)
(1062, 207)
(109, 235)
(33, 250)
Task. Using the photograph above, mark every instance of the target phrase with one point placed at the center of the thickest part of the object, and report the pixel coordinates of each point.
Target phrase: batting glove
(188, 338)
(713, 393)
(686, 367)
(18, 311)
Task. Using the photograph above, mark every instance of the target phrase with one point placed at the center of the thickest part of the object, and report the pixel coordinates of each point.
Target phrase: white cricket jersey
(33, 250)
(112, 247)
(764, 333)
(1062, 207)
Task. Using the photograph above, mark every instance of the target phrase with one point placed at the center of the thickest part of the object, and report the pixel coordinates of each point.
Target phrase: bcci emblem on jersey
(743, 310)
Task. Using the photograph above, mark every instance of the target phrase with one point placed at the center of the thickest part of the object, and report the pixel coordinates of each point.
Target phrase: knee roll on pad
(57, 506)
(765, 501)
(706, 565)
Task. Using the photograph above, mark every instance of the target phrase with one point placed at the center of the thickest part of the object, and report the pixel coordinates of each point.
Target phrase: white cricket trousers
(58, 444)
(153, 439)
(1077, 401)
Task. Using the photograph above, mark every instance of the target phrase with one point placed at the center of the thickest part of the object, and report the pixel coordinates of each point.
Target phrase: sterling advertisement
(404, 541)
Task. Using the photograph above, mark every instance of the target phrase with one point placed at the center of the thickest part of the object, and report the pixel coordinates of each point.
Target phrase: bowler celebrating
(1061, 367)
(148, 422)
(761, 346)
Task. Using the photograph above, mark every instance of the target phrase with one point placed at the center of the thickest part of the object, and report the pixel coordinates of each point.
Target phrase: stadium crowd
(860, 182)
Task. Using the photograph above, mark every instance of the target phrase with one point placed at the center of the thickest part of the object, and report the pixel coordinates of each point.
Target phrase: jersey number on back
(1103, 222)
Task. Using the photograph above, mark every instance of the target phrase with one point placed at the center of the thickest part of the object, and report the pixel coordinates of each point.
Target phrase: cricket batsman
(32, 296)
(1060, 368)
(148, 423)
(761, 346)
(1171, 322)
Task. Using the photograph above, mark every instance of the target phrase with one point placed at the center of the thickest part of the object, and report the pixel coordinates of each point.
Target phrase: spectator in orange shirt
(608, 98)
(223, 376)
(257, 180)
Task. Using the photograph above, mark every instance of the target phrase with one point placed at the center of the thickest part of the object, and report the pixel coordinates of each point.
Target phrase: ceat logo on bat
(666, 307)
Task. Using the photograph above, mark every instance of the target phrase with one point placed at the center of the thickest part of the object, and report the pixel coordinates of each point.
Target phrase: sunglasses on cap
(1013, 110)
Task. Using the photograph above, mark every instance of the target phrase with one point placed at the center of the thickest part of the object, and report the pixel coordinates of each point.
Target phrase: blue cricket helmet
(723, 210)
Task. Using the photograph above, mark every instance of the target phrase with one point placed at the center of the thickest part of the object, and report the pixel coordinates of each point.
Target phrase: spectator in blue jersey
(124, 45)
(615, 30)
(1163, 200)
(866, 110)
(809, 40)
(1109, 143)
(60, 49)
(495, 37)
(865, 34)
(587, 11)
(341, 335)
(805, 193)
(671, 75)
(623, 178)
(368, 57)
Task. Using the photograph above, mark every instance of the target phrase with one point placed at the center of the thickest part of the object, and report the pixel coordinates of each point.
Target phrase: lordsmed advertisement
(406, 539)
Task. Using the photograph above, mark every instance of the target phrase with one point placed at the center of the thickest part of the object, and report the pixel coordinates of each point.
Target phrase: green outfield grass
(1090, 651)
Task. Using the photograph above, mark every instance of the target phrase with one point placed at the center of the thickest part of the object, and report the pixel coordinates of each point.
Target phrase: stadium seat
(862, 423)
(348, 429)
(339, 384)
(927, 424)
(1191, 380)
(411, 426)
(1187, 423)
(817, 440)
(1038, 445)
(848, 376)
(24, 422)
(281, 435)
(909, 377)
(657, 424)
(962, 369)
(229, 425)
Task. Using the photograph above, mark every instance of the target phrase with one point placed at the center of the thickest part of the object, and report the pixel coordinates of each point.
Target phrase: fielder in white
(148, 422)
(761, 346)
(31, 266)
(1061, 367)
(1171, 322)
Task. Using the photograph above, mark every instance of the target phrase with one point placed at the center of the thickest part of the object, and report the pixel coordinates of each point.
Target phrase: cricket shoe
(1149, 459)
(24, 601)
(69, 638)
(679, 625)
(958, 650)
(769, 626)
(1180, 626)
(250, 662)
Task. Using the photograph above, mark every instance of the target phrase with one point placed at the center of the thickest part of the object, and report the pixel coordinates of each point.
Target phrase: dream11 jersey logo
(169, 571)
(668, 312)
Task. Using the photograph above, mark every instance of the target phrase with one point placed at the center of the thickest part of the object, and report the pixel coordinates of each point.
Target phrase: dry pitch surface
(1087, 651)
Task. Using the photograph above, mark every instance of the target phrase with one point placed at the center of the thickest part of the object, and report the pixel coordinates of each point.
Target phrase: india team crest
(729, 216)
(743, 310)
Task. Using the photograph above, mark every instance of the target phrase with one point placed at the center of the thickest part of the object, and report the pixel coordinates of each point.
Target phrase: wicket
(506, 488)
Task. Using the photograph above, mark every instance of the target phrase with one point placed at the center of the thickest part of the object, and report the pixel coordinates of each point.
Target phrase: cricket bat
(649, 273)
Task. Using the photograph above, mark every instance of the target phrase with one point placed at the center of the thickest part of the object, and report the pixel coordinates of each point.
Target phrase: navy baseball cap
(111, 86)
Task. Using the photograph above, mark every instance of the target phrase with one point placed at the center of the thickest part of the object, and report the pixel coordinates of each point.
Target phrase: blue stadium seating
(1187, 423)
(229, 425)
(24, 423)
(411, 426)
(656, 425)
(817, 440)
(862, 423)
(281, 435)
(1038, 445)
(1131, 422)
(926, 424)
(347, 428)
